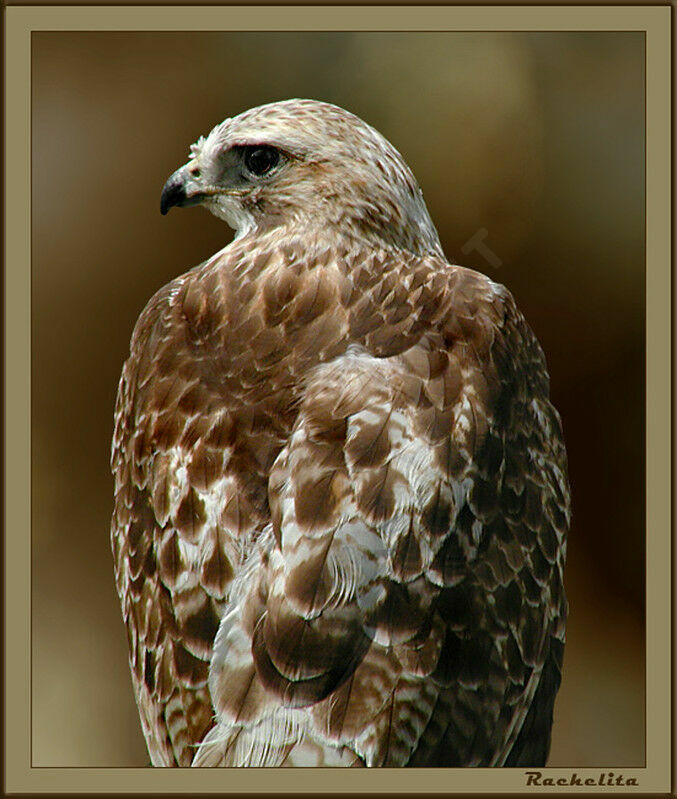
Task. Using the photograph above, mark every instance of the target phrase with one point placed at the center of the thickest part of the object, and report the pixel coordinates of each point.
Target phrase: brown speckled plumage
(341, 495)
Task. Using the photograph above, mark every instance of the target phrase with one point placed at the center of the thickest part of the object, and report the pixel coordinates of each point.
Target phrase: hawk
(341, 493)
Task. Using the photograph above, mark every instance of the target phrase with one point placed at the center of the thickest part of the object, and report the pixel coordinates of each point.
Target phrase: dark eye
(260, 160)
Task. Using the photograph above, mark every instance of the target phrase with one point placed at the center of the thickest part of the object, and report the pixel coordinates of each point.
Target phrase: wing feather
(411, 558)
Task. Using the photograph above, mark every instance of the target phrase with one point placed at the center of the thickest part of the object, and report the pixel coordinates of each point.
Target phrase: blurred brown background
(535, 140)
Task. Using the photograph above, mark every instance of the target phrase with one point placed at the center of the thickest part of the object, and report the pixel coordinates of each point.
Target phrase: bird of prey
(341, 493)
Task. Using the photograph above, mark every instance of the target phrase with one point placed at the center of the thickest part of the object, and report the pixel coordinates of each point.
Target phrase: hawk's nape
(341, 494)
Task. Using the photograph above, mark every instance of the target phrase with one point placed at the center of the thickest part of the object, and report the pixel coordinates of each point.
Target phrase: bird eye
(260, 160)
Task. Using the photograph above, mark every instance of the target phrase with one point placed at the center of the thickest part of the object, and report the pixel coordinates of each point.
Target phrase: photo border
(20, 22)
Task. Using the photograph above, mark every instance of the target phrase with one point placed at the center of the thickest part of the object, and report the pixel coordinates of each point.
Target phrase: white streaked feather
(261, 745)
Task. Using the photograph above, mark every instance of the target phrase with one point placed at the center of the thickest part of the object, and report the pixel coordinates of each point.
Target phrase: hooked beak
(181, 189)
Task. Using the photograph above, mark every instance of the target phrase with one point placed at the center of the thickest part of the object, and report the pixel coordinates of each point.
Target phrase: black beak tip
(173, 194)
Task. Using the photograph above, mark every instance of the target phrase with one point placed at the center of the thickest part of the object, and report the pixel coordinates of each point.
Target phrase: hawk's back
(341, 504)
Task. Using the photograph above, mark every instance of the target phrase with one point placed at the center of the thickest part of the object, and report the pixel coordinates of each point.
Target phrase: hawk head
(304, 164)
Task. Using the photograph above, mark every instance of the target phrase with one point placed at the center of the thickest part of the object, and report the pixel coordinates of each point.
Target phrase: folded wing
(406, 601)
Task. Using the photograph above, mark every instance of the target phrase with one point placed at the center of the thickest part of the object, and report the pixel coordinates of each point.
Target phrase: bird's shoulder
(268, 294)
